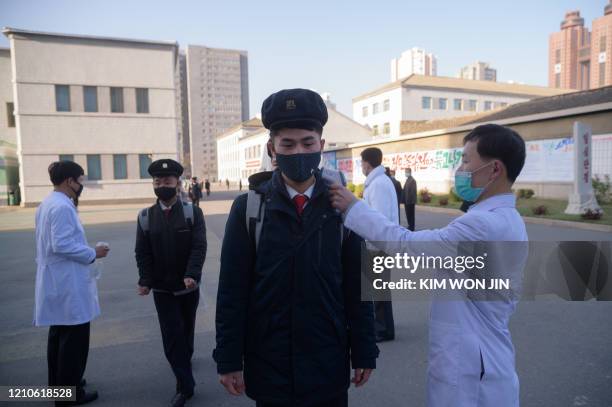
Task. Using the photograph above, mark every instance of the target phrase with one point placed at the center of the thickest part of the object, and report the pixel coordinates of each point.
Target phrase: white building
(242, 150)
(109, 104)
(414, 61)
(9, 164)
(420, 97)
(478, 71)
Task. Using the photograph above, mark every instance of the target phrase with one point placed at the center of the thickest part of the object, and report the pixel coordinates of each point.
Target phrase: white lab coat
(461, 332)
(380, 195)
(66, 293)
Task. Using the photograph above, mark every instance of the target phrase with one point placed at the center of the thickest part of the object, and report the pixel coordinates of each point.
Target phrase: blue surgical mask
(463, 185)
(298, 167)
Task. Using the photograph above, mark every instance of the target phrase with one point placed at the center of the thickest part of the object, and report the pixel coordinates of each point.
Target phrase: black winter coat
(290, 314)
(172, 250)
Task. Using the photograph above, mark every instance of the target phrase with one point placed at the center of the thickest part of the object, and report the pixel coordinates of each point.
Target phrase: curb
(529, 219)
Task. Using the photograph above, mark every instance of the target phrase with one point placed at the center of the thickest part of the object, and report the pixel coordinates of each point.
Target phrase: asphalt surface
(563, 349)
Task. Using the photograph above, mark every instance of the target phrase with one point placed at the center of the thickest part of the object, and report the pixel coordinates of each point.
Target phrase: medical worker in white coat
(471, 355)
(66, 293)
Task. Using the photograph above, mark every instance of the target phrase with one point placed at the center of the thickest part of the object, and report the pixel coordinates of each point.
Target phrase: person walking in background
(227, 183)
(66, 294)
(380, 194)
(195, 191)
(170, 252)
(398, 188)
(409, 195)
(207, 187)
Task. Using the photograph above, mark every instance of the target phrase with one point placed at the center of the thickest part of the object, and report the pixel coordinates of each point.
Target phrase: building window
(458, 104)
(472, 105)
(90, 98)
(66, 157)
(442, 102)
(426, 102)
(488, 105)
(94, 167)
(557, 56)
(375, 108)
(116, 95)
(375, 129)
(144, 160)
(386, 128)
(10, 114)
(364, 111)
(557, 80)
(62, 98)
(386, 104)
(142, 100)
(120, 166)
(602, 74)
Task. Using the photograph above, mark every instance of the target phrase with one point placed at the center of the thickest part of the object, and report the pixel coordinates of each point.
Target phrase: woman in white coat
(66, 294)
(471, 356)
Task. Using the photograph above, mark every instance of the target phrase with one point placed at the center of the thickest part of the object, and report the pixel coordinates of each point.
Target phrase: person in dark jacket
(289, 312)
(398, 188)
(409, 195)
(195, 191)
(170, 252)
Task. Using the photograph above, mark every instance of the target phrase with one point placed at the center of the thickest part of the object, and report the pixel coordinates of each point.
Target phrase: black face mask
(165, 193)
(298, 167)
(77, 193)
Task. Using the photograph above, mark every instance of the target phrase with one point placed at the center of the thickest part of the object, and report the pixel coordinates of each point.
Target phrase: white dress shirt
(66, 292)
(465, 337)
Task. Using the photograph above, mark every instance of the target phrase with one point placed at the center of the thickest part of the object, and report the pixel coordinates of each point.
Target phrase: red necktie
(167, 212)
(299, 201)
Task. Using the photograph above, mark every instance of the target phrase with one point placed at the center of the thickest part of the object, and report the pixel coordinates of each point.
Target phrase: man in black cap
(289, 311)
(170, 253)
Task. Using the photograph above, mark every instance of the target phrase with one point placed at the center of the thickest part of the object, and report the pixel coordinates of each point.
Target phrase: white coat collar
(380, 170)
(506, 200)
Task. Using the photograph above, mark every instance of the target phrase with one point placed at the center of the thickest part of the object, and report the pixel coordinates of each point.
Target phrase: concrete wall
(41, 62)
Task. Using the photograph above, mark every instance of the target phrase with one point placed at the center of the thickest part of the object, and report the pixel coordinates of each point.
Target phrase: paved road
(563, 348)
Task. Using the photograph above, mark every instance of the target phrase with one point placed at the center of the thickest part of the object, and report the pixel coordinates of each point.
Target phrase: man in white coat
(66, 293)
(471, 355)
(380, 194)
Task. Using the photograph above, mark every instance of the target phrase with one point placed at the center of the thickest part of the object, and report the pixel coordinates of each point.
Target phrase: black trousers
(67, 350)
(383, 313)
(338, 401)
(177, 316)
(409, 208)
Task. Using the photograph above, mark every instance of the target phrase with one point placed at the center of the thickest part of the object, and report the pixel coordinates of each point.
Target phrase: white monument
(582, 198)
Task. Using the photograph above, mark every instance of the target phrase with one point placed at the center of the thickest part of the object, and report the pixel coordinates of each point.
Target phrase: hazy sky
(341, 47)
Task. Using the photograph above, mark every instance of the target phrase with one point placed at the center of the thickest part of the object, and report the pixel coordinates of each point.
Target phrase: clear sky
(341, 47)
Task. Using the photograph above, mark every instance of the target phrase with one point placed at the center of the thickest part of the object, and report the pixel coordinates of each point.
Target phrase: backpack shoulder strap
(188, 213)
(255, 212)
(143, 219)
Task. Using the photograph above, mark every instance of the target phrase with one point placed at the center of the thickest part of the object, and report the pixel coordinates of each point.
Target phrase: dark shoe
(180, 399)
(88, 397)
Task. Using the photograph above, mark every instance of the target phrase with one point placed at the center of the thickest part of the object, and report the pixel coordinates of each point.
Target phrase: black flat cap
(164, 167)
(294, 108)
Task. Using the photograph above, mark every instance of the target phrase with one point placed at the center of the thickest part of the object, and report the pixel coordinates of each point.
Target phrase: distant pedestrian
(240, 185)
(409, 195)
(195, 191)
(227, 183)
(207, 187)
(398, 187)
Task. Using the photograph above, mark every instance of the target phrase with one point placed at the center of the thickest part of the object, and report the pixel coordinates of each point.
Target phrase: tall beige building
(108, 104)
(478, 71)
(218, 93)
(578, 58)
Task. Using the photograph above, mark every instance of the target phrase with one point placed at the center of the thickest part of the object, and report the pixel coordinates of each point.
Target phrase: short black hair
(373, 156)
(59, 171)
(501, 143)
(318, 130)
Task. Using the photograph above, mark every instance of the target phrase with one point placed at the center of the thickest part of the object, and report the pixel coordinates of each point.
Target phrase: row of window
(90, 99)
(120, 171)
(386, 129)
(386, 105)
(469, 105)
(252, 152)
